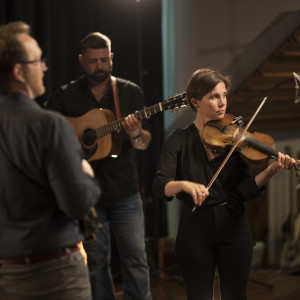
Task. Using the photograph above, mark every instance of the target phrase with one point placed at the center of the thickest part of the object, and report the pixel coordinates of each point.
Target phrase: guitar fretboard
(145, 113)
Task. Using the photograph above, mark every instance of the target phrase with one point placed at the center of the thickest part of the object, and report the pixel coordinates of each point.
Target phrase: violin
(229, 133)
(255, 147)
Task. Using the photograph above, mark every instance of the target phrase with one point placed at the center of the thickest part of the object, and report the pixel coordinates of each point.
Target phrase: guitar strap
(116, 96)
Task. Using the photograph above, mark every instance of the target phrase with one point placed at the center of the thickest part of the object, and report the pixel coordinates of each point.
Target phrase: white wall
(282, 199)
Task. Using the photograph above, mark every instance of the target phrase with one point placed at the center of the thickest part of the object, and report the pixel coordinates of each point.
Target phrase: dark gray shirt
(43, 190)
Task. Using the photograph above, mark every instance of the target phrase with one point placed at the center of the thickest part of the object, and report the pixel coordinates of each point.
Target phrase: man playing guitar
(120, 206)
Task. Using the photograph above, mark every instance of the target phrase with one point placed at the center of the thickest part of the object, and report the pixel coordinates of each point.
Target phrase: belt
(208, 207)
(37, 258)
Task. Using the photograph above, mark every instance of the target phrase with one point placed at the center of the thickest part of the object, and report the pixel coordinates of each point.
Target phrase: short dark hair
(203, 81)
(95, 40)
(11, 51)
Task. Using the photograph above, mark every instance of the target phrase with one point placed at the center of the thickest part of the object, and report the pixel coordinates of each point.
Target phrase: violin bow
(233, 147)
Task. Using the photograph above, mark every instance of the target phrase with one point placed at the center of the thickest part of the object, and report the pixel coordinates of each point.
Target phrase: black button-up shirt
(118, 177)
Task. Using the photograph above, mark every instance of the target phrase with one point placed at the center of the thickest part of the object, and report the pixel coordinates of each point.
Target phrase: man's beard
(99, 76)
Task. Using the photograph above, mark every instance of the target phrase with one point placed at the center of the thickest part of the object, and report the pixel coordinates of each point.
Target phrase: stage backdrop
(135, 30)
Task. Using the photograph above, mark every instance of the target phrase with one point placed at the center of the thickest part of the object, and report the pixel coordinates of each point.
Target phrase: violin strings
(253, 141)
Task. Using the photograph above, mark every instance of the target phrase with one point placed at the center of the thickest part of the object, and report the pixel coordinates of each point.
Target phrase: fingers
(199, 194)
(132, 121)
(132, 125)
(198, 191)
(285, 161)
(86, 167)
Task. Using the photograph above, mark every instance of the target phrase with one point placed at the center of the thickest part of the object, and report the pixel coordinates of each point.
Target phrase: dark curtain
(135, 30)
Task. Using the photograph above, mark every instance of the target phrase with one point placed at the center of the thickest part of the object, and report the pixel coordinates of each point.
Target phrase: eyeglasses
(42, 61)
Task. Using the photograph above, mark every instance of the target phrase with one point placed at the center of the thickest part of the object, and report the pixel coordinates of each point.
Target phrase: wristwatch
(137, 138)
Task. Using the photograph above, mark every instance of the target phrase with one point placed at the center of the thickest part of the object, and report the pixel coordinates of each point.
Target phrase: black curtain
(135, 30)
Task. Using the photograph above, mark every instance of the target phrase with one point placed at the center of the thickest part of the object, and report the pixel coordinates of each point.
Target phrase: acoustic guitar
(98, 129)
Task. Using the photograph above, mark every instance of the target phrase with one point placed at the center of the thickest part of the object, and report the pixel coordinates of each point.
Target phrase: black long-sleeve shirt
(184, 158)
(43, 190)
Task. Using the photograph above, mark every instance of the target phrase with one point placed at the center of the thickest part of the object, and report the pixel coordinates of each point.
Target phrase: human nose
(44, 67)
(222, 101)
(99, 64)
(44, 64)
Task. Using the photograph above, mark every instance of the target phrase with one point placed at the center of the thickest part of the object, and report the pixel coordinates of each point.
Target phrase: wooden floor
(263, 285)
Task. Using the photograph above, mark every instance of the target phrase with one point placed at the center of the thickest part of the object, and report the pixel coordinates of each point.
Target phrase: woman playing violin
(216, 234)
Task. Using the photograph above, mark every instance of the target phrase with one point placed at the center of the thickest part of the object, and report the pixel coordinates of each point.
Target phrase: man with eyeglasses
(45, 184)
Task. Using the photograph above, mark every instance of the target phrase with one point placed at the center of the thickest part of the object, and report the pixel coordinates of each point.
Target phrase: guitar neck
(116, 125)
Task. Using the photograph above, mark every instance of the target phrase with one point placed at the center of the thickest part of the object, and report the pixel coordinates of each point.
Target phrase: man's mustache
(100, 72)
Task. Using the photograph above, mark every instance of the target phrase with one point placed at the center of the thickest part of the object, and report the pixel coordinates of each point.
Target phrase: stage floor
(263, 285)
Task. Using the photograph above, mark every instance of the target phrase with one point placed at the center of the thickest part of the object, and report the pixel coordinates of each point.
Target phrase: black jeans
(210, 238)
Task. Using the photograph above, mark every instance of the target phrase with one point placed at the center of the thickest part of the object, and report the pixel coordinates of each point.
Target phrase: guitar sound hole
(89, 137)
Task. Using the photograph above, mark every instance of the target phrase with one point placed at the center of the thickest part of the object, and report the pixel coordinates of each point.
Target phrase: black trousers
(210, 238)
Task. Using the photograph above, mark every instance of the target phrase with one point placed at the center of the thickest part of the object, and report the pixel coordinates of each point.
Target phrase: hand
(284, 162)
(132, 126)
(86, 167)
(198, 191)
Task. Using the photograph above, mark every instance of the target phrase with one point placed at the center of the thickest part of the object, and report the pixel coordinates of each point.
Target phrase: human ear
(18, 73)
(80, 58)
(195, 103)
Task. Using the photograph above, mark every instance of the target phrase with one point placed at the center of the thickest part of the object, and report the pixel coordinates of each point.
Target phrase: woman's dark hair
(202, 82)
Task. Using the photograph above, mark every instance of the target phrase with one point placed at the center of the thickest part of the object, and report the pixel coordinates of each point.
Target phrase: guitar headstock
(177, 101)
